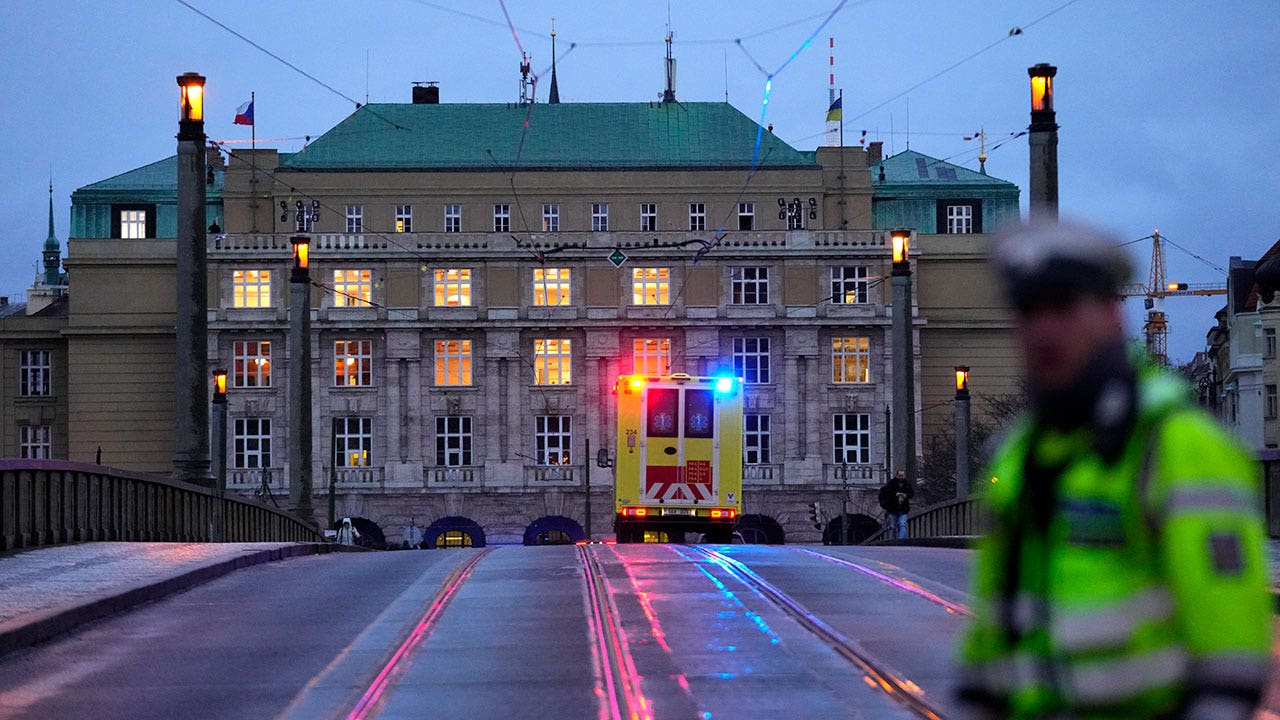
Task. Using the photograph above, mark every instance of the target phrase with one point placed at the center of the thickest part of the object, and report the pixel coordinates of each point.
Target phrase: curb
(22, 633)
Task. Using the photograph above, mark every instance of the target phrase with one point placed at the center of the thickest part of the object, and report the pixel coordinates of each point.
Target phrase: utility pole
(300, 449)
(962, 432)
(586, 486)
(904, 416)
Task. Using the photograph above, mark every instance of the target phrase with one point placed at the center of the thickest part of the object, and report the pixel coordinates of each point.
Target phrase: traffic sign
(617, 257)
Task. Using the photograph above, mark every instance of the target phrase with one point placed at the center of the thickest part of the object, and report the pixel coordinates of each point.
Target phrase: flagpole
(253, 147)
(842, 120)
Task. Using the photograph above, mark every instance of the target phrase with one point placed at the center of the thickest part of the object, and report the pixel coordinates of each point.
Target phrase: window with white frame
(1273, 403)
(35, 373)
(453, 218)
(751, 359)
(352, 442)
(648, 217)
(453, 441)
(35, 442)
(453, 362)
(251, 288)
(750, 285)
(551, 286)
(552, 361)
(1269, 342)
(650, 286)
(251, 364)
(133, 224)
(850, 284)
(552, 438)
(755, 439)
(959, 219)
(355, 218)
(453, 287)
(850, 360)
(746, 216)
(352, 288)
(550, 218)
(252, 440)
(600, 217)
(697, 216)
(851, 438)
(404, 218)
(352, 363)
(502, 218)
(651, 357)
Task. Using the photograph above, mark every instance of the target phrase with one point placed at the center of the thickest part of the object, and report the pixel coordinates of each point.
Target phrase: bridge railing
(950, 518)
(50, 502)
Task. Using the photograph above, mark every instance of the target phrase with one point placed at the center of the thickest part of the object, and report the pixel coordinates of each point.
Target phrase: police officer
(1125, 572)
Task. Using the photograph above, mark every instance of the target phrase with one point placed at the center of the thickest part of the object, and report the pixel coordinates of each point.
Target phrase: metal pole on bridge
(586, 486)
(300, 454)
(962, 432)
(903, 355)
(219, 455)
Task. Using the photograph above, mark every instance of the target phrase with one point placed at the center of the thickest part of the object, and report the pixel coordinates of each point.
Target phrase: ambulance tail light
(634, 512)
(723, 513)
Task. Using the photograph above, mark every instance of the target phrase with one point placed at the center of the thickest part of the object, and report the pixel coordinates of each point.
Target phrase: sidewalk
(47, 591)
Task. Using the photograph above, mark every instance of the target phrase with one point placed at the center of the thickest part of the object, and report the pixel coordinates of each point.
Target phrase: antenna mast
(669, 93)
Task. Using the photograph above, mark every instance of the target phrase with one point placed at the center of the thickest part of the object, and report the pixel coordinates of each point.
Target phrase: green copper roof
(912, 168)
(566, 135)
(160, 176)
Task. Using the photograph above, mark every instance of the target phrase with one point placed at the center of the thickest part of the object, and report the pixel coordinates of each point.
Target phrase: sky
(1168, 109)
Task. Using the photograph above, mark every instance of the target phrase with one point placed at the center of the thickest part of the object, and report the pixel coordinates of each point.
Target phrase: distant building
(469, 323)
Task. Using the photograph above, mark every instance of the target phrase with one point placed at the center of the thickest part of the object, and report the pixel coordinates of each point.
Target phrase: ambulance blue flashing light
(725, 385)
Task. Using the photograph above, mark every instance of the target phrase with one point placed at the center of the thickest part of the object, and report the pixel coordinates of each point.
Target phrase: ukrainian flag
(833, 112)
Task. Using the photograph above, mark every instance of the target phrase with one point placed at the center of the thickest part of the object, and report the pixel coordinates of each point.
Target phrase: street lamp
(219, 464)
(903, 418)
(962, 432)
(1043, 140)
(191, 461)
(300, 379)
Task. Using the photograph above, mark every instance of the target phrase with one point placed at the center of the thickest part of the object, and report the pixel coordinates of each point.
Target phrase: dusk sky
(1169, 110)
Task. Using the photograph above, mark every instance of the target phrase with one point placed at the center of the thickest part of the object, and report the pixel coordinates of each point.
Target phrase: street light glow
(1042, 87)
(901, 240)
(962, 378)
(191, 100)
(219, 383)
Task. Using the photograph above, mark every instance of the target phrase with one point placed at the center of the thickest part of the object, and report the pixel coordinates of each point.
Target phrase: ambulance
(678, 463)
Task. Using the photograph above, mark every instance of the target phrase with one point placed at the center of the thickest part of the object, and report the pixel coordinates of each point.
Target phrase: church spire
(554, 96)
(52, 249)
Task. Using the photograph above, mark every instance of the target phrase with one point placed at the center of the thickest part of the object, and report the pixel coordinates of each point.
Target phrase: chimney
(875, 152)
(426, 93)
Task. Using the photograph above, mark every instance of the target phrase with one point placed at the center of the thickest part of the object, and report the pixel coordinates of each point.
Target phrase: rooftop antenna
(835, 116)
(908, 123)
(526, 84)
(366, 76)
(981, 137)
(669, 93)
(726, 75)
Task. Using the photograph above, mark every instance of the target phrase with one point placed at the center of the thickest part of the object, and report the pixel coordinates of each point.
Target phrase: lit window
(352, 288)
(453, 287)
(133, 224)
(251, 288)
(648, 217)
(552, 439)
(452, 218)
(851, 436)
(453, 441)
(552, 362)
(755, 439)
(252, 438)
(750, 285)
(355, 218)
(35, 373)
(651, 357)
(600, 217)
(251, 363)
(650, 286)
(697, 216)
(404, 218)
(746, 216)
(551, 286)
(551, 218)
(453, 362)
(353, 363)
(352, 442)
(751, 359)
(849, 285)
(502, 218)
(35, 443)
(850, 360)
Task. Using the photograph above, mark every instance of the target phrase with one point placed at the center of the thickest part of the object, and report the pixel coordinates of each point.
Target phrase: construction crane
(1156, 328)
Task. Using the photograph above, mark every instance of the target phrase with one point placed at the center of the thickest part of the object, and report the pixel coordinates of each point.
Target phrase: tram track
(901, 583)
(876, 672)
(618, 682)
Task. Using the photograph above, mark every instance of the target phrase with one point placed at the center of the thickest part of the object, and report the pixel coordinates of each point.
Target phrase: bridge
(282, 629)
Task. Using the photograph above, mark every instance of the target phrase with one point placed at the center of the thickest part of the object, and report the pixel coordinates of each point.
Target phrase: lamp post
(191, 343)
(219, 464)
(904, 416)
(1043, 139)
(300, 379)
(962, 432)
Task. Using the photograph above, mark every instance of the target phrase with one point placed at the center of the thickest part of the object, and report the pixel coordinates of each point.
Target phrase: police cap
(1054, 264)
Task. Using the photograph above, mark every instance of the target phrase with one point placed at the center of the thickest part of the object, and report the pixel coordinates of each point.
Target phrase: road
(599, 631)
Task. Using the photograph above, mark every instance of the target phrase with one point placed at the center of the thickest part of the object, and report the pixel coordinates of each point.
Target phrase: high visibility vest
(1149, 583)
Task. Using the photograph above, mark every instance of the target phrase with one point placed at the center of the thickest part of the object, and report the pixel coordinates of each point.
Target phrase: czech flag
(834, 112)
(244, 114)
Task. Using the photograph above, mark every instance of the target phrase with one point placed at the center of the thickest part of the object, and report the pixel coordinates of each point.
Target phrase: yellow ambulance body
(678, 462)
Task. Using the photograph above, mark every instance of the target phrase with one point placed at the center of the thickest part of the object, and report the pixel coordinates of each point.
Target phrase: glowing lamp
(220, 385)
(962, 378)
(900, 240)
(1042, 87)
(724, 385)
(301, 251)
(191, 99)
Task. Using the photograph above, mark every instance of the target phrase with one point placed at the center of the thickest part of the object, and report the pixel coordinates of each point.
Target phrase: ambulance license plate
(677, 511)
